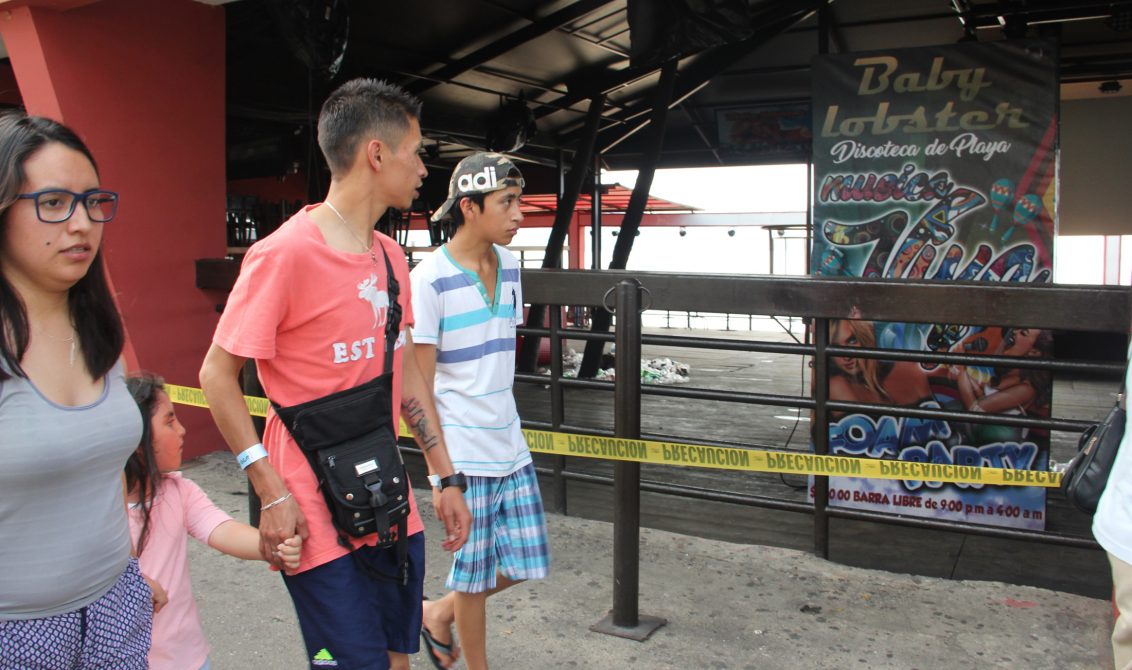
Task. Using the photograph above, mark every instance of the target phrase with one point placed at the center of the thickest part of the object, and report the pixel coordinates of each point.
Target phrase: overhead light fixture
(511, 126)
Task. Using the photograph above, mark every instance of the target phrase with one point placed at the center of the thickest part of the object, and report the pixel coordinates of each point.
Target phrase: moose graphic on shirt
(377, 299)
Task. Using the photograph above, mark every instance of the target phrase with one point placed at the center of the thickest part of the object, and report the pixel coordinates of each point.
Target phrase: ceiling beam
(708, 65)
(496, 48)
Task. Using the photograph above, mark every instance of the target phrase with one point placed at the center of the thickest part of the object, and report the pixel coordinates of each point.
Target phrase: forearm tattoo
(414, 415)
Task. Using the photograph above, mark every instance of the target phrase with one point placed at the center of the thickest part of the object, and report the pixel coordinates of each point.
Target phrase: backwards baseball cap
(479, 173)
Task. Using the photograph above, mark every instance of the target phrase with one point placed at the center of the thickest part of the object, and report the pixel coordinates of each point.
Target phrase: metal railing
(1062, 308)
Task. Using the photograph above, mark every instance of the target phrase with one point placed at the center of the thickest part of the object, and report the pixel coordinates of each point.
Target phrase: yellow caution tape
(725, 458)
(730, 458)
(186, 395)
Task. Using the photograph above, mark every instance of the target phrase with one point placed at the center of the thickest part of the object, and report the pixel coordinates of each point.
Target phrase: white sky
(759, 188)
(782, 188)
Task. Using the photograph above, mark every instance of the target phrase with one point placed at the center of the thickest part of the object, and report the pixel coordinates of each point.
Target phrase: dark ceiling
(479, 65)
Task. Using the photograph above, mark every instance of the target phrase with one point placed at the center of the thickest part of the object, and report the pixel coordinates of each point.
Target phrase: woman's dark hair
(141, 468)
(98, 324)
(1039, 380)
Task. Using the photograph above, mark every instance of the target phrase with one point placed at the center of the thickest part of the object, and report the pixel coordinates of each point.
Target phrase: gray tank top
(64, 540)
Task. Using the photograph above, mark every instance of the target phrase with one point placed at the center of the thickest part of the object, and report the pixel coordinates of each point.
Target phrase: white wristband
(251, 455)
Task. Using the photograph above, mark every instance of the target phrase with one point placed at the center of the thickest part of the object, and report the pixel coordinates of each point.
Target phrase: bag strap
(393, 317)
(401, 547)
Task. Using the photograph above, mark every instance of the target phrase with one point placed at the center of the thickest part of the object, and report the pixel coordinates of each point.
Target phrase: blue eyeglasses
(56, 205)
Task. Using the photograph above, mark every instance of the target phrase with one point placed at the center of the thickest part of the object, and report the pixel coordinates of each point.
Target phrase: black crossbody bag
(350, 440)
(1086, 476)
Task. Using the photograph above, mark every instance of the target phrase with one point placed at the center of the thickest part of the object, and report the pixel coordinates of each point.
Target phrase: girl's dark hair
(141, 468)
(97, 322)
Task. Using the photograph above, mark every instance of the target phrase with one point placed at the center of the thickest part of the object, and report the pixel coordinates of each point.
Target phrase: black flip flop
(435, 648)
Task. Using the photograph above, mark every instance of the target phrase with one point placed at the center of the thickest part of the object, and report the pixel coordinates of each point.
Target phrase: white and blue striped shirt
(475, 359)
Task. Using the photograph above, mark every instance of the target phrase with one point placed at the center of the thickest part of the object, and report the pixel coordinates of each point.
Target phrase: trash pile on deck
(653, 371)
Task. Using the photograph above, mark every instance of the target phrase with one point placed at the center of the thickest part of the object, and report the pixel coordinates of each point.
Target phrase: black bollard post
(820, 427)
(625, 620)
(557, 406)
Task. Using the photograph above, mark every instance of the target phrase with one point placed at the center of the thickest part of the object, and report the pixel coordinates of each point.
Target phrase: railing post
(820, 390)
(251, 386)
(557, 408)
(624, 620)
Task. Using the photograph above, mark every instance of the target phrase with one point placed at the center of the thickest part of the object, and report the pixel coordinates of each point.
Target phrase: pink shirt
(180, 509)
(313, 318)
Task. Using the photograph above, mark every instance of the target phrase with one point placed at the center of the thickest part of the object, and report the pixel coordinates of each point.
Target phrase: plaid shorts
(112, 632)
(508, 533)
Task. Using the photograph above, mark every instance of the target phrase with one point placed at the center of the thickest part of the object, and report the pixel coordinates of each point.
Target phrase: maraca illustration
(1029, 207)
(1001, 195)
(832, 262)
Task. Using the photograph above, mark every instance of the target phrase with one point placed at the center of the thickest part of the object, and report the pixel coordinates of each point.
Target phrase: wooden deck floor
(882, 546)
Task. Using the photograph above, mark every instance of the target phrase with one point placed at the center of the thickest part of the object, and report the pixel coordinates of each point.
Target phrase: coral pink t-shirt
(180, 509)
(313, 318)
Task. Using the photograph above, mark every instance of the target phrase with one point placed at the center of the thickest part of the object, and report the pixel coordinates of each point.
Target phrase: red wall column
(142, 82)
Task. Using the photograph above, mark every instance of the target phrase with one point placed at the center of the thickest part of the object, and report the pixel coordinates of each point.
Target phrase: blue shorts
(111, 632)
(350, 620)
(508, 533)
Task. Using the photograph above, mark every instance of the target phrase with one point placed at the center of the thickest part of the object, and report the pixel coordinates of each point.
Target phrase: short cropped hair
(361, 108)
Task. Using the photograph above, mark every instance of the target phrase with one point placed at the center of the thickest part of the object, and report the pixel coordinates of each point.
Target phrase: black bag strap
(393, 318)
(401, 546)
(392, 332)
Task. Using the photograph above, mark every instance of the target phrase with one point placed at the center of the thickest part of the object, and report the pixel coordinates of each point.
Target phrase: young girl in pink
(165, 508)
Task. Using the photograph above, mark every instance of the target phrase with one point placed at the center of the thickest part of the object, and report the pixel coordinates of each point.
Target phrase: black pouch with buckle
(350, 441)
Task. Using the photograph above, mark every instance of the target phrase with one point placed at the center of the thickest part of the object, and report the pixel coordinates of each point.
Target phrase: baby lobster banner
(938, 163)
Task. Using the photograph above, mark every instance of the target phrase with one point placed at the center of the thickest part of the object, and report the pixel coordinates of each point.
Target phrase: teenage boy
(467, 301)
(310, 306)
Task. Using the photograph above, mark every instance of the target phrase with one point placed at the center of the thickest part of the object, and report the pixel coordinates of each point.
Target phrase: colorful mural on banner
(764, 133)
(938, 163)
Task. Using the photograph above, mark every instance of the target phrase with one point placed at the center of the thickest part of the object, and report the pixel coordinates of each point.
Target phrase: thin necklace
(70, 339)
(367, 247)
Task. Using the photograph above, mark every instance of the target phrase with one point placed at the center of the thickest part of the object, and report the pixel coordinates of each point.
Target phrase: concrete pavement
(728, 606)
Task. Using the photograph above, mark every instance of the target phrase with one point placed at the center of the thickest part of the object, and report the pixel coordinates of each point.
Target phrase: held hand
(159, 596)
(278, 524)
(289, 551)
(453, 512)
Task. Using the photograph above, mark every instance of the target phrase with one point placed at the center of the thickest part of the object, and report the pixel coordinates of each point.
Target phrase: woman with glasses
(71, 596)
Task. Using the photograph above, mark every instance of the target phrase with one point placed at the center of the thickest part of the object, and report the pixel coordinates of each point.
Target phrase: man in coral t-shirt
(310, 306)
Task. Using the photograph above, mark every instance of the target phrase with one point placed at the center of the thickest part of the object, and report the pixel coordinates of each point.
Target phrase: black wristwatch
(456, 479)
